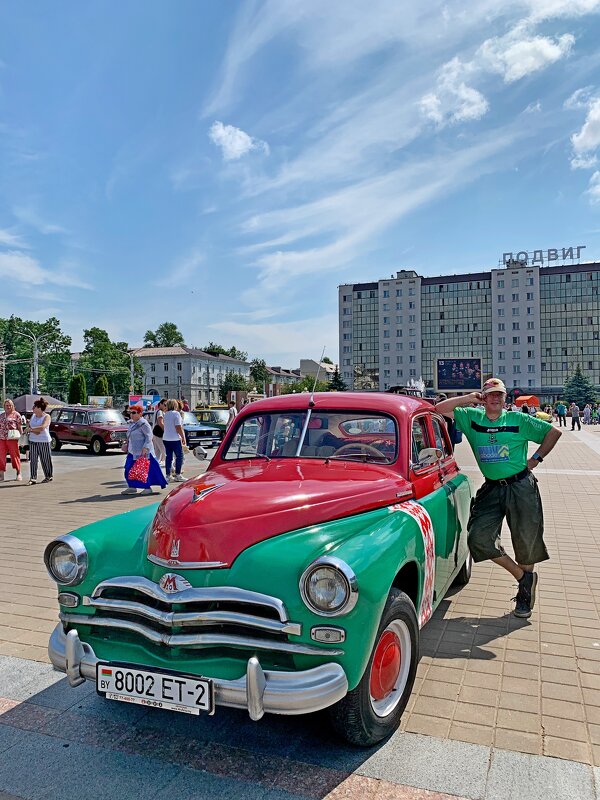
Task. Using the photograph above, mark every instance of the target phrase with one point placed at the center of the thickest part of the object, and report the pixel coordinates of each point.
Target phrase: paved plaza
(502, 708)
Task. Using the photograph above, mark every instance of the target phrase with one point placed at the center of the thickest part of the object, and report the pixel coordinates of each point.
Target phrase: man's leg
(516, 570)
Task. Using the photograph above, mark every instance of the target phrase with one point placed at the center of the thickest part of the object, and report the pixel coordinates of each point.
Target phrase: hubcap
(390, 668)
(96, 446)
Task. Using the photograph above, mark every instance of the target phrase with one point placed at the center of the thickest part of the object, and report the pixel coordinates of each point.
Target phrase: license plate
(171, 691)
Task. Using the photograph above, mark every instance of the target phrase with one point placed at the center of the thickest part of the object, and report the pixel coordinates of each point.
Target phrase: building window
(516, 340)
(529, 383)
(530, 310)
(411, 292)
(166, 366)
(179, 380)
(152, 367)
(501, 284)
(386, 360)
(501, 355)
(386, 293)
(412, 345)
(412, 359)
(347, 348)
(179, 366)
(152, 381)
(516, 354)
(529, 281)
(515, 326)
(502, 340)
(515, 297)
(500, 312)
(516, 369)
(531, 340)
(386, 306)
(530, 326)
(386, 334)
(500, 298)
(530, 354)
(398, 292)
(166, 380)
(386, 346)
(530, 295)
(531, 368)
(386, 320)
(398, 306)
(500, 326)
(412, 305)
(514, 283)
(515, 312)
(501, 370)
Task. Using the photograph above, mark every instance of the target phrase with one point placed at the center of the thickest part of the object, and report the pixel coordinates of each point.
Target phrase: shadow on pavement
(105, 498)
(298, 754)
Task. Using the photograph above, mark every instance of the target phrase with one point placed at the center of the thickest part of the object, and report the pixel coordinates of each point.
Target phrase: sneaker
(147, 491)
(179, 479)
(32, 482)
(130, 490)
(526, 595)
(46, 480)
(19, 477)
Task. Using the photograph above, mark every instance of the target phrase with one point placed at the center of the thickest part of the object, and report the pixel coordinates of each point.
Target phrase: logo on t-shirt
(491, 454)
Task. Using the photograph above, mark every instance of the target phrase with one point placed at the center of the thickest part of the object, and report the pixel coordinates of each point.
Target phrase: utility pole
(3, 356)
(34, 367)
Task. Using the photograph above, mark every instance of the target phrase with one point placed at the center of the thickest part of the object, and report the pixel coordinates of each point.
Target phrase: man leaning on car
(499, 441)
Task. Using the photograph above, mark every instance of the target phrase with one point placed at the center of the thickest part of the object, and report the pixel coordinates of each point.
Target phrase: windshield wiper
(364, 457)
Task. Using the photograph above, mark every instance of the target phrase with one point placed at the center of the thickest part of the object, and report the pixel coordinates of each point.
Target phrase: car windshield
(220, 415)
(345, 435)
(107, 416)
(189, 418)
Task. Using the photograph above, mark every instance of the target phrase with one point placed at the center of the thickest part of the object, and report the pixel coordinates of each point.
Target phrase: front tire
(55, 444)
(97, 447)
(372, 711)
(464, 574)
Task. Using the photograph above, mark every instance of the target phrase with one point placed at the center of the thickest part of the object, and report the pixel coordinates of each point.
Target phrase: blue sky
(227, 165)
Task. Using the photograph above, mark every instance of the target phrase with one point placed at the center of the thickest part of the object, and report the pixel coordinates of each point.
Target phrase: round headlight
(66, 560)
(328, 587)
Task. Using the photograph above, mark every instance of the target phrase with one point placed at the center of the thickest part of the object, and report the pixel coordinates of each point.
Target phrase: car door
(451, 483)
(81, 430)
(428, 483)
(63, 426)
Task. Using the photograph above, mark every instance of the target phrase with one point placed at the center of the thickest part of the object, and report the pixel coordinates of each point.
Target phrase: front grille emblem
(172, 583)
(175, 548)
(202, 490)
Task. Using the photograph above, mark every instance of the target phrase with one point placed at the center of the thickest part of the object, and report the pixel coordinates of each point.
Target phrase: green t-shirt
(561, 410)
(500, 446)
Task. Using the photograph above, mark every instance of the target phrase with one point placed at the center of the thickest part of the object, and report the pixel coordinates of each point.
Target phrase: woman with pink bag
(142, 470)
(11, 428)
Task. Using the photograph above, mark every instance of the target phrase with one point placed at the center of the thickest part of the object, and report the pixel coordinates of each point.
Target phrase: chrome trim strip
(217, 594)
(300, 692)
(173, 563)
(189, 618)
(81, 557)
(197, 640)
(345, 571)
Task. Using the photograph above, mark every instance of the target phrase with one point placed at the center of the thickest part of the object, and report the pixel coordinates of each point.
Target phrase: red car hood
(214, 517)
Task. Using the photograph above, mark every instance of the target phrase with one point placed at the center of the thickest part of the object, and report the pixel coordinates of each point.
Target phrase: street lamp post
(34, 372)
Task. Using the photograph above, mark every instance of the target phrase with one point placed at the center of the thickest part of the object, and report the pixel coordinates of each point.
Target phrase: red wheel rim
(386, 666)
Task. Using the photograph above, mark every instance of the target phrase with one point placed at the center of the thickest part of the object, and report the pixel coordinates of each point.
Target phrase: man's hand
(532, 463)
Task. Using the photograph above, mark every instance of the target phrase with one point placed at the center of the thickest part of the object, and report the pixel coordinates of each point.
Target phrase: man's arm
(548, 442)
(446, 407)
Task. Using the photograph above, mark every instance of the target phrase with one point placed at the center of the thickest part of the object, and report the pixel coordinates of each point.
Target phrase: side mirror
(200, 453)
(429, 456)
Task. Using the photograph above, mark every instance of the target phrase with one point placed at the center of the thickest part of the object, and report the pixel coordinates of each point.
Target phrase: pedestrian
(186, 405)
(595, 415)
(561, 413)
(525, 408)
(126, 411)
(232, 414)
(587, 414)
(158, 429)
(139, 445)
(499, 440)
(173, 440)
(11, 428)
(574, 409)
(39, 442)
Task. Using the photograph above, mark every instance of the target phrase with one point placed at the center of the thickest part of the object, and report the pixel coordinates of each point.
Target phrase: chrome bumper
(259, 690)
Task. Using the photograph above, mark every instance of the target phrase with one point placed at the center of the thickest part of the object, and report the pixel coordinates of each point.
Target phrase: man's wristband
(537, 457)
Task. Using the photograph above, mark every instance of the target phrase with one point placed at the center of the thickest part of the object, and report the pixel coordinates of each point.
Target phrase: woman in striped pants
(39, 442)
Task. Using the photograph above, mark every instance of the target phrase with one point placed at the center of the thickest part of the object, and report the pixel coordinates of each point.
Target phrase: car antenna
(311, 402)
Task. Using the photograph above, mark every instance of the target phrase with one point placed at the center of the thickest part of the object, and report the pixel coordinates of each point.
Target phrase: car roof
(87, 408)
(378, 402)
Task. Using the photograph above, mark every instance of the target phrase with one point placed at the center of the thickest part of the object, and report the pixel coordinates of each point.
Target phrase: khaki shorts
(520, 503)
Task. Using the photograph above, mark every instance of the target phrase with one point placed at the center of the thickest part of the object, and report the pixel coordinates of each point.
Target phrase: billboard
(147, 401)
(457, 374)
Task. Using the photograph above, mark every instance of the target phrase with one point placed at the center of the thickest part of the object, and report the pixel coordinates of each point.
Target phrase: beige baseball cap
(493, 385)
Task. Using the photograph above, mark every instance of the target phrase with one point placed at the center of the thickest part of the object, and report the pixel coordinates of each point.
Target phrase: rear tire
(97, 446)
(55, 444)
(464, 574)
(372, 711)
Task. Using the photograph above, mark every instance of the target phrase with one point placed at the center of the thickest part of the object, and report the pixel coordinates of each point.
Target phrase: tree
(101, 356)
(326, 360)
(259, 372)
(337, 384)
(77, 389)
(579, 389)
(54, 355)
(232, 382)
(166, 335)
(214, 349)
(306, 384)
(101, 386)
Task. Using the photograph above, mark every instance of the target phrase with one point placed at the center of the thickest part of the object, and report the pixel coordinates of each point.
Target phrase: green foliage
(101, 386)
(579, 389)
(218, 350)
(337, 384)
(259, 373)
(54, 355)
(78, 389)
(166, 335)
(101, 356)
(306, 384)
(326, 360)
(232, 382)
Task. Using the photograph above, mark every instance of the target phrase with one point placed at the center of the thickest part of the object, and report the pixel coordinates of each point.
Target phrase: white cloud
(10, 239)
(24, 269)
(180, 273)
(541, 10)
(583, 162)
(234, 142)
(29, 216)
(588, 138)
(580, 98)
(518, 53)
(593, 191)
(453, 100)
(533, 108)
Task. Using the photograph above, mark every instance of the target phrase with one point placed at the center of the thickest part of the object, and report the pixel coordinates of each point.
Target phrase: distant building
(279, 377)
(310, 367)
(530, 324)
(187, 372)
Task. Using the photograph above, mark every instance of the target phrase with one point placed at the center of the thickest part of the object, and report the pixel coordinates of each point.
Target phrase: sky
(226, 166)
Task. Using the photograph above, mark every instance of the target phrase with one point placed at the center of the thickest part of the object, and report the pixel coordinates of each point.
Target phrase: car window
(66, 416)
(107, 416)
(419, 438)
(79, 418)
(331, 434)
(188, 418)
(54, 414)
(440, 440)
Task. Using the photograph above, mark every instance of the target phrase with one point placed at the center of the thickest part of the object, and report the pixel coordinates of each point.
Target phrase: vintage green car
(294, 575)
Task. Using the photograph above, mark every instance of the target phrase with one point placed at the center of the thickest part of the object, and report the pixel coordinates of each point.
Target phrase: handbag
(157, 430)
(139, 470)
(13, 433)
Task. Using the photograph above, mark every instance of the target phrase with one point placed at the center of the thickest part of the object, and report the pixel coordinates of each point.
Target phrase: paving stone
(514, 776)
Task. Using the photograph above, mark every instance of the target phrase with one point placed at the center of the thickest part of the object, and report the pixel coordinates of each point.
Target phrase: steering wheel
(367, 447)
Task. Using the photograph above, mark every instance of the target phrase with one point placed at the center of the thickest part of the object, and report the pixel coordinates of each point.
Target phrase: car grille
(194, 618)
